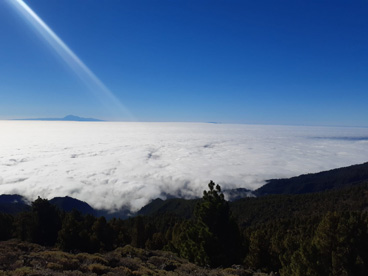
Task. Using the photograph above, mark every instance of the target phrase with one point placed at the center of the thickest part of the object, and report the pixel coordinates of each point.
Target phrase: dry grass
(22, 258)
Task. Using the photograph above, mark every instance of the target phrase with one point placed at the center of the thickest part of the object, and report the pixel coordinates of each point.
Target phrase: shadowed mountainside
(12, 204)
(316, 182)
(308, 183)
(271, 231)
(68, 204)
(175, 206)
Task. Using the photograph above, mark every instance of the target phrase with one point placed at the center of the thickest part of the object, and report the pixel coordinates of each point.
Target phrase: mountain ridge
(316, 182)
(302, 184)
(68, 204)
(70, 117)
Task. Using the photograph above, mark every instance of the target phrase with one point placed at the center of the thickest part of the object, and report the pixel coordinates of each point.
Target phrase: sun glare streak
(95, 85)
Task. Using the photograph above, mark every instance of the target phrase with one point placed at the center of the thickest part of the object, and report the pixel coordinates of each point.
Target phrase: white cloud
(110, 165)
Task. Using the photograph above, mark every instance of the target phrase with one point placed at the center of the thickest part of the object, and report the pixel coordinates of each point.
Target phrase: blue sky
(258, 62)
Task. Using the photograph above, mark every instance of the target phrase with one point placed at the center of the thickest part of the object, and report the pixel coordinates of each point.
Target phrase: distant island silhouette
(66, 118)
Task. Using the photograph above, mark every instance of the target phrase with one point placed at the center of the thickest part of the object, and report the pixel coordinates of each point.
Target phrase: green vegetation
(212, 236)
(19, 258)
(323, 233)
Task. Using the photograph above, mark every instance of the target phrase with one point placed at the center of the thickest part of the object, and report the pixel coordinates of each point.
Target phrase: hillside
(316, 182)
(282, 198)
(321, 233)
(23, 258)
(68, 204)
(303, 184)
(174, 206)
(12, 204)
(257, 210)
(253, 211)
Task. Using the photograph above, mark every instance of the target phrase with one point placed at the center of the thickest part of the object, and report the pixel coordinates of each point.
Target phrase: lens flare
(95, 85)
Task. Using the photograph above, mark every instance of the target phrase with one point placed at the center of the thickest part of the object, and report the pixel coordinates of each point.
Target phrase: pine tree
(47, 222)
(212, 237)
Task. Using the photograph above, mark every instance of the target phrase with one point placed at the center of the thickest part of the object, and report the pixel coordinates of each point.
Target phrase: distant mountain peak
(79, 119)
(66, 118)
(71, 117)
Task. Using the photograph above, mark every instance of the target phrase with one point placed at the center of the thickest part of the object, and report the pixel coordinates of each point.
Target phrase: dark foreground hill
(265, 209)
(12, 204)
(309, 183)
(68, 204)
(303, 184)
(322, 233)
(251, 211)
(174, 206)
(316, 182)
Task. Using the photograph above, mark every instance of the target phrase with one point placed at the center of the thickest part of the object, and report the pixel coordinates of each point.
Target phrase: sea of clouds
(112, 165)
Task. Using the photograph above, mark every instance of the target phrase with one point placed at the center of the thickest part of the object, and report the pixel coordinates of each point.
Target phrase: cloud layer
(111, 165)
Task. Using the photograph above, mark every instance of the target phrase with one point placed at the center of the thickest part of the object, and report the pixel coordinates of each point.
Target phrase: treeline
(333, 244)
(210, 238)
(47, 225)
(312, 234)
(252, 211)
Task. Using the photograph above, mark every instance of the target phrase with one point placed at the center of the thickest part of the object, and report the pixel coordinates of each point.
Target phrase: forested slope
(316, 182)
(322, 233)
